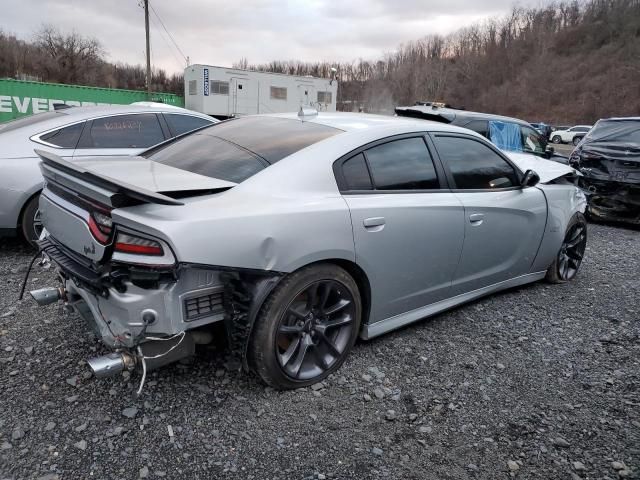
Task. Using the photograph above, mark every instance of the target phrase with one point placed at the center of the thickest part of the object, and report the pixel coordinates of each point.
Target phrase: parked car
(570, 135)
(508, 134)
(609, 160)
(301, 234)
(76, 133)
(543, 129)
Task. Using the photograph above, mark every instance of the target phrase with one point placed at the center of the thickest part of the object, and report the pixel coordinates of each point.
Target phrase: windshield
(237, 149)
(25, 121)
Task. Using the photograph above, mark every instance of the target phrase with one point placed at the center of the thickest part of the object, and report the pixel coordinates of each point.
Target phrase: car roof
(351, 122)
(454, 115)
(78, 113)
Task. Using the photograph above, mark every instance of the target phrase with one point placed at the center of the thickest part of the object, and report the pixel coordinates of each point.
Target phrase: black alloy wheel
(306, 327)
(314, 331)
(31, 221)
(566, 265)
(572, 251)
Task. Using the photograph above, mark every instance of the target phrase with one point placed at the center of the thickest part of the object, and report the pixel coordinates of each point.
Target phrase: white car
(77, 133)
(571, 135)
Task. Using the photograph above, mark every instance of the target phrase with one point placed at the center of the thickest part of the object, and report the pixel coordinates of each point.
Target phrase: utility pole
(146, 29)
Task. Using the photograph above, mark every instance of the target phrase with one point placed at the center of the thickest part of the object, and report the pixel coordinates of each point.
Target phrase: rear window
(237, 149)
(26, 121)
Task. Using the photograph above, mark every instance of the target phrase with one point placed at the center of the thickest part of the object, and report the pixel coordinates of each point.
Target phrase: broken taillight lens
(127, 243)
(101, 226)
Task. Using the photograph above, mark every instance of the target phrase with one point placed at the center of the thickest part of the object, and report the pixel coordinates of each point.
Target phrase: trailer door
(244, 96)
(306, 94)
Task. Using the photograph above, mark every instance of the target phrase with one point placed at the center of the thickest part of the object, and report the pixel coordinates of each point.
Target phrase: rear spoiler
(115, 186)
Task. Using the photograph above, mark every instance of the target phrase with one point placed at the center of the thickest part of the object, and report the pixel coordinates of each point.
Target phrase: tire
(556, 139)
(569, 258)
(29, 222)
(291, 350)
(576, 140)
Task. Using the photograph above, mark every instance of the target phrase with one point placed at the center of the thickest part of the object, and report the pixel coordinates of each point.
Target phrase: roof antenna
(307, 112)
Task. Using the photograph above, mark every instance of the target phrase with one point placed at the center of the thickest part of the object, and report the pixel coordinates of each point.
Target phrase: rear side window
(474, 165)
(402, 165)
(66, 137)
(479, 126)
(210, 156)
(180, 124)
(124, 131)
(356, 173)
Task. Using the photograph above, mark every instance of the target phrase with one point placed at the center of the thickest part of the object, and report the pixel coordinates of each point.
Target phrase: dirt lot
(538, 382)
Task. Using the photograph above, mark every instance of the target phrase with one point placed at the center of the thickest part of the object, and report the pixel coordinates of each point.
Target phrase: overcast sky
(222, 32)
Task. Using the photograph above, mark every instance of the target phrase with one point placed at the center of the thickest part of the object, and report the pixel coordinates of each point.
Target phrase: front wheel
(556, 139)
(31, 222)
(566, 264)
(306, 327)
(576, 140)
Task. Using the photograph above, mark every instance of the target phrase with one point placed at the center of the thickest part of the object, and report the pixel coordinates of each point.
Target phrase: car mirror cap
(530, 179)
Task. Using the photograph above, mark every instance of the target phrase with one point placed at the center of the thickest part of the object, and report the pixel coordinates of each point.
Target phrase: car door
(117, 135)
(503, 222)
(407, 226)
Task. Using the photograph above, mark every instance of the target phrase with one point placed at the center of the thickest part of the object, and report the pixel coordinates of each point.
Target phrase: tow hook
(49, 295)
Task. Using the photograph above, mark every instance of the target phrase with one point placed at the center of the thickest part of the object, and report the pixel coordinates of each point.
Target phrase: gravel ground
(538, 382)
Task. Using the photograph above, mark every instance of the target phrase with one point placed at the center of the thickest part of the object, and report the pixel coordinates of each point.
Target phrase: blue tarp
(505, 136)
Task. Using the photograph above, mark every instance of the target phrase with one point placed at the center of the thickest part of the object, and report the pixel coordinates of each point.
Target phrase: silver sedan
(299, 234)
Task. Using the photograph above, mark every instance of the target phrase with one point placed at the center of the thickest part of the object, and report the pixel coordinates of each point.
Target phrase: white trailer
(228, 92)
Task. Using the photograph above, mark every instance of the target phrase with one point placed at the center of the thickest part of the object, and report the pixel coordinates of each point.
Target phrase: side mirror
(529, 179)
(549, 151)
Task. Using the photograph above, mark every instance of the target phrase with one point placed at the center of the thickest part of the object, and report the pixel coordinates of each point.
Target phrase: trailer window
(193, 87)
(219, 88)
(279, 93)
(324, 97)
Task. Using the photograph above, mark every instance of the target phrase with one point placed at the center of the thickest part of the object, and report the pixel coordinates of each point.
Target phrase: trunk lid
(77, 200)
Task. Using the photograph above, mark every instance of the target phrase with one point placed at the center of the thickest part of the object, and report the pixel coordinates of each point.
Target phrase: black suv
(609, 159)
(510, 134)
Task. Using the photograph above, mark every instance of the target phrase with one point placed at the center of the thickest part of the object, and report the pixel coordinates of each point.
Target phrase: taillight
(127, 243)
(101, 226)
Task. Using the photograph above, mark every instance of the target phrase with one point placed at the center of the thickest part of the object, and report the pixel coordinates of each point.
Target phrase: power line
(155, 26)
(168, 33)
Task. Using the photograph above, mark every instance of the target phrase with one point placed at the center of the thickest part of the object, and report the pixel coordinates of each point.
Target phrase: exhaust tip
(46, 296)
(111, 364)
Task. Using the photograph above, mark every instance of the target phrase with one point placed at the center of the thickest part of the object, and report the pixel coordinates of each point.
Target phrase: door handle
(374, 224)
(476, 218)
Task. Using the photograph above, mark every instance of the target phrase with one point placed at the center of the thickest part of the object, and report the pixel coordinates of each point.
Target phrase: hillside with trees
(568, 62)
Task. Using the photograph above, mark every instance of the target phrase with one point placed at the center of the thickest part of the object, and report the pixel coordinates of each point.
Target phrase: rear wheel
(306, 328)
(565, 267)
(556, 139)
(31, 222)
(576, 140)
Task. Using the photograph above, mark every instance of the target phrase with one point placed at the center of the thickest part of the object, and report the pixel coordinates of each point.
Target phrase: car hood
(546, 169)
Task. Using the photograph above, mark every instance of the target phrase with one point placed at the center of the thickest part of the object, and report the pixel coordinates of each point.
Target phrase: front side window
(180, 124)
(219, 88)
(66, 137)
(474, 165)
(124, 131)
(403, 164)
(532, 142)
(278, 93)
(505, 135)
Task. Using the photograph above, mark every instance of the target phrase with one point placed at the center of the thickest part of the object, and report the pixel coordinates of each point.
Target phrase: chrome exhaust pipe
(47, 296)
(111, 364)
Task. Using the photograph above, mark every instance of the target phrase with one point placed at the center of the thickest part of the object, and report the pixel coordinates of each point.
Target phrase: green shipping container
(19, 98)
